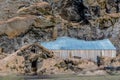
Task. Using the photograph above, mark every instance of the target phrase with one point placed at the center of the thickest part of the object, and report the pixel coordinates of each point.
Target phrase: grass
(66, 77)
(75, 77)
(11, 77)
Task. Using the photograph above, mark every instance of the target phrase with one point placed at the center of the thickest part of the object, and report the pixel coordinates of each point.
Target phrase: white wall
(85, 54)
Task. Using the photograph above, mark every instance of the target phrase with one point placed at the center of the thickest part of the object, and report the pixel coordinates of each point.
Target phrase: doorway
(34, 66)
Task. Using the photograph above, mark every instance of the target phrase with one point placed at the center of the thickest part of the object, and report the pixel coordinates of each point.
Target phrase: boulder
(87, 65)
(74, 10)
(15, 26)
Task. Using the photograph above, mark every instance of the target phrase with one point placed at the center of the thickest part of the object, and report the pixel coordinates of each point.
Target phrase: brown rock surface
(49, 24)
(28, 21)
(48, 67)
(15, 62)
(15, 26)
(87, 65)
(41, 8)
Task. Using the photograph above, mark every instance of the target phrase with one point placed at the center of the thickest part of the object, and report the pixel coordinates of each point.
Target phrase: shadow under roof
(67, 43)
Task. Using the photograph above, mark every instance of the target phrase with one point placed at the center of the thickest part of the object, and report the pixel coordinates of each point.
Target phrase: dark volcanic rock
(74, 10)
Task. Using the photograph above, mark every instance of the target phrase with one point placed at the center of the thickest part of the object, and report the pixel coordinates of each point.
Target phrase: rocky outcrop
(37, 21)
(41, 8)
(74, 10)
(22, 61)
(15, 26)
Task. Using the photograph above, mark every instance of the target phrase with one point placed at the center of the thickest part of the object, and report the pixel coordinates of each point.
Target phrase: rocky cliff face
(28, 21)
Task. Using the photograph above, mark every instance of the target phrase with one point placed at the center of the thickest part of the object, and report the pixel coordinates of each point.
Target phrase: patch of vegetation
(11, 77)
(43, 11)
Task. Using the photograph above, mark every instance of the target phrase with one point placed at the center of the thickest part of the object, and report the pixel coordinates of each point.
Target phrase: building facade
(66, 47)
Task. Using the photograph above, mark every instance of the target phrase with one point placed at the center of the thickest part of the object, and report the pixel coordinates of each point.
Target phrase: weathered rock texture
(35, 59)
(28, 21)
(25, 60)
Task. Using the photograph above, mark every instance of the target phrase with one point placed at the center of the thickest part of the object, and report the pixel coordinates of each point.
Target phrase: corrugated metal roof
(67, 43)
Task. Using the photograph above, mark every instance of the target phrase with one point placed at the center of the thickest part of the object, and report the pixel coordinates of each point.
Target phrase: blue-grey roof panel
(67, 43)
